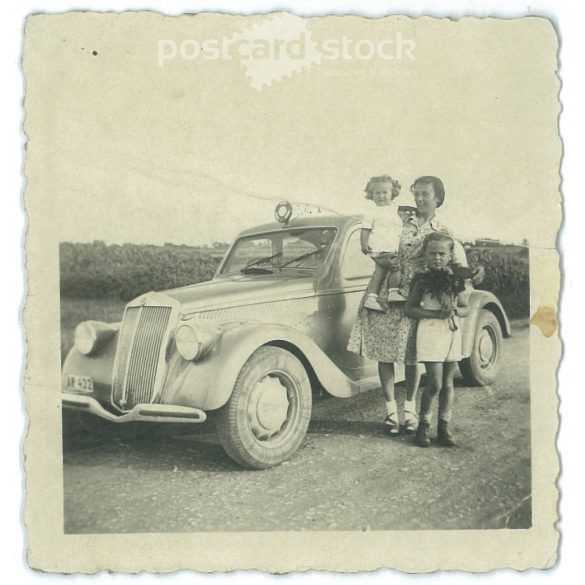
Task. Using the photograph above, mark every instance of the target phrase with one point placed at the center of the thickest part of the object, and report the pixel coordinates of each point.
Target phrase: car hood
(236, 290)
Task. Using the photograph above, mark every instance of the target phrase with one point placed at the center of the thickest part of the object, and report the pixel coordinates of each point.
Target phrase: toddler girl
(437, 302)
(381, 235)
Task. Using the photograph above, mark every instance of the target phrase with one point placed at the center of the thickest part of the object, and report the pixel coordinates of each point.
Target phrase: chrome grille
(138, 355)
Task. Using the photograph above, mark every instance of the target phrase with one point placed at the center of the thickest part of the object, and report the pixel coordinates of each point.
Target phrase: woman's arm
(413, 309)
(364, 237)
(460, 259)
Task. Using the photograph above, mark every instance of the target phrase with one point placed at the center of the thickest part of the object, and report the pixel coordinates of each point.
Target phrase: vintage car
(252, 346)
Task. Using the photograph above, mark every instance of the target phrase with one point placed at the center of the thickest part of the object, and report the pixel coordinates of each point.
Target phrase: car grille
(139, 355)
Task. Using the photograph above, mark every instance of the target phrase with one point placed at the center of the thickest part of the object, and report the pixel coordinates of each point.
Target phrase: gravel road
(348, 475)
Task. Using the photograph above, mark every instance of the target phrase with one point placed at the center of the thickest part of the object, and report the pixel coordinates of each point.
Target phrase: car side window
(355, 264)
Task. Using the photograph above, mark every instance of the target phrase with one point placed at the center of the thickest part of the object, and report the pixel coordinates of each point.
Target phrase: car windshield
(283, 249)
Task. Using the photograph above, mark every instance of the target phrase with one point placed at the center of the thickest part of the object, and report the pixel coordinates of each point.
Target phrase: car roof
(306, 221)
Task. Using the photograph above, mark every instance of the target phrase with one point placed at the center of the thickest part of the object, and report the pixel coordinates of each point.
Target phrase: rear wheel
(267, 416)
(482, 367)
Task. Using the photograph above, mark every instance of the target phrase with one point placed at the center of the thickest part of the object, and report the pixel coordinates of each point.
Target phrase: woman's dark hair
(439, 237)
(437, 184)
(396, 186)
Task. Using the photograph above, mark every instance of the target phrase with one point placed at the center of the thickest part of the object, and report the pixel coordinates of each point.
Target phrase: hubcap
(486, 348)
(268, 407)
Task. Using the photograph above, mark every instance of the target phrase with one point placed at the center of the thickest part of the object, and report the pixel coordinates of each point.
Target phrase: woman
(390, 337)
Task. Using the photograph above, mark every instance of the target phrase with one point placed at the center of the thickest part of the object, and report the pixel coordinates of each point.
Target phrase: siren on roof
(283, 212)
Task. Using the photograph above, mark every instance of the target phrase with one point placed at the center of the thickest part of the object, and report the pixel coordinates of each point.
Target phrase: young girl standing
(437, 302)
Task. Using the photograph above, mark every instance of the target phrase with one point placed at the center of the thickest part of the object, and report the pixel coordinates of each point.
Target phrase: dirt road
(348, 475)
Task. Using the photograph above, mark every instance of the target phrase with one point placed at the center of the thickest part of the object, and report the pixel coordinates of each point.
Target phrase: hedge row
(507, 275)
(97, 270)
(123, 272)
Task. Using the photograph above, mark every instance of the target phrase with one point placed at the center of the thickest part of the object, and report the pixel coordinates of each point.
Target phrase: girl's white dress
(435, 342)
(386, 228)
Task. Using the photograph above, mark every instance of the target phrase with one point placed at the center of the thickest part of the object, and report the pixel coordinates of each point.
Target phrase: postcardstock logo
(281, 45)
(276, 48)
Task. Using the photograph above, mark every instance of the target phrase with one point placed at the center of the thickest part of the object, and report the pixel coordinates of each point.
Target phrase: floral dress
(390, 337)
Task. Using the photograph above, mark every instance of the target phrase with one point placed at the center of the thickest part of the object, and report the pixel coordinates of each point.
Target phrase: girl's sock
(445, 415)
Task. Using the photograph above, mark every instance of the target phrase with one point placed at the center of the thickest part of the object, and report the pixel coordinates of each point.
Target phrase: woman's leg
(432, 388)
(413, 374)
(446, 398)
(386, 372)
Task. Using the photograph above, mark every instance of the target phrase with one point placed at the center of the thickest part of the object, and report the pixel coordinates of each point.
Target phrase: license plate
(79, 383)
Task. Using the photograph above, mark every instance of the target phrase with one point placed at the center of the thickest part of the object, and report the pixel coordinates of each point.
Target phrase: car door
(341, 306)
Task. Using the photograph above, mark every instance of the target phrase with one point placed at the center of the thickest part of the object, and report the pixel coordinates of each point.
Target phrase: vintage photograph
(301, 281)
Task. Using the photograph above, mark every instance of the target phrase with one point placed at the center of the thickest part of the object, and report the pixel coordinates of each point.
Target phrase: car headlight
(193, 340)
(92, 335)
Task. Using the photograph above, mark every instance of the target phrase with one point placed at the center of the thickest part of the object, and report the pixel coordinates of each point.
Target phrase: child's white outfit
(386, 229)
(435, 342)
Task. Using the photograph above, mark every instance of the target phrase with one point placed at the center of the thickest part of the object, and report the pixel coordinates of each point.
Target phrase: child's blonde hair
(396, 186)
(439, 236)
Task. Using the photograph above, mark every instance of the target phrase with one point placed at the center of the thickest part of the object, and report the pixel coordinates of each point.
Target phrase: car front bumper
(141, 412)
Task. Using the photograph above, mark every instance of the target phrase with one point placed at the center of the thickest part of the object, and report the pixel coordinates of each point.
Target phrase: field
(98, 271)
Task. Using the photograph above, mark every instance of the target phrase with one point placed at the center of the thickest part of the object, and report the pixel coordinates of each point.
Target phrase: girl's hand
(389, 261)
(444, 313)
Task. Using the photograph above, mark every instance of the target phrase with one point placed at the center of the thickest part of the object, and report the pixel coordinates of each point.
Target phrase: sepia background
(132, 149)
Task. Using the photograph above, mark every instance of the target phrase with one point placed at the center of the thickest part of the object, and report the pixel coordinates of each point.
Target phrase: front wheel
(481, 368)
(267, 416)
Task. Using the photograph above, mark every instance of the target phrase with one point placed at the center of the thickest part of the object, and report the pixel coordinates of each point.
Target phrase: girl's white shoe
(371, 303)
(410, 416)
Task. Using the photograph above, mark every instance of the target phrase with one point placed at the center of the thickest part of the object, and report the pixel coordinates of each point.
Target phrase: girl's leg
(446, 398)
(413, 374)
(432, 388)
(394, 279)
(386, 372)
(447, 394)
(373, 290)
(376, 280)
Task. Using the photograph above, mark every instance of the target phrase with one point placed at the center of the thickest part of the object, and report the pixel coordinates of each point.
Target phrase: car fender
(99, 367)
(476, 301)
(208, 383)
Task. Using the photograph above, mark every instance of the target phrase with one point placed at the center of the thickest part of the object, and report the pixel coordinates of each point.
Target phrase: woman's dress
(390, 337)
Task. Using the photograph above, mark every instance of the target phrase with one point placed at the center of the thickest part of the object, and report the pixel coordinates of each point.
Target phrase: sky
(124, 148)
